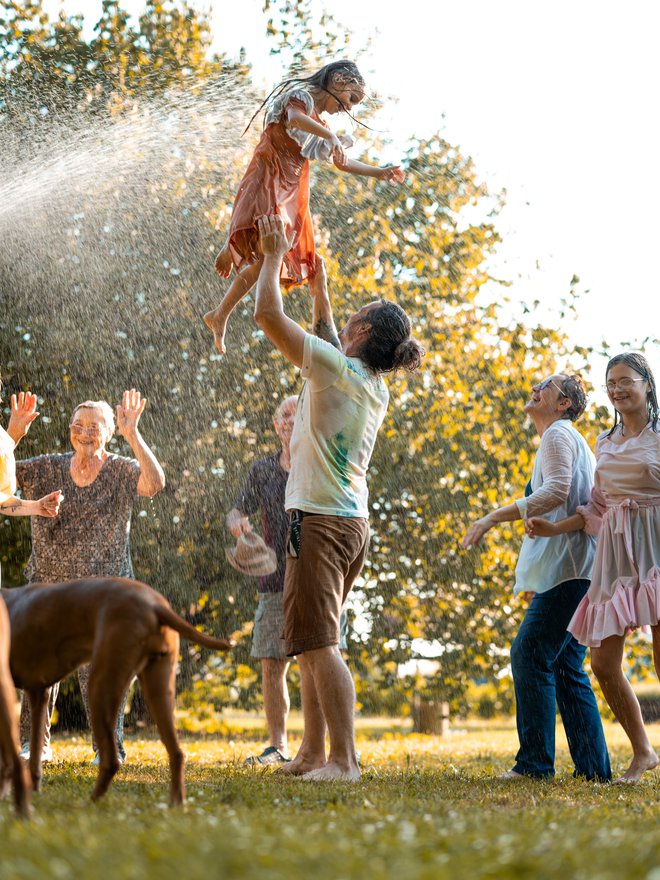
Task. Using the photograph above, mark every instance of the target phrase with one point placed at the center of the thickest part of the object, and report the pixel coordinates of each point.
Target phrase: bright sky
(553, 100)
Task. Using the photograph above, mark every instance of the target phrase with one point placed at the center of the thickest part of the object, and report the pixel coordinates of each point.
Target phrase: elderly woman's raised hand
(128, 413)
(537, 527)
(49, 505)
(476, 532)
(23, 413)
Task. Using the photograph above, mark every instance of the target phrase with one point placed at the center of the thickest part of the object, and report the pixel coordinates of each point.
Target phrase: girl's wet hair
(390, 345)
(320, 81)
(639, 364)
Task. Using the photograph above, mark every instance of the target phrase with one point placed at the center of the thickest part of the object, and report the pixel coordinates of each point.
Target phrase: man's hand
(237, 523)
(272, 237)
(129, 412)
(23, 413)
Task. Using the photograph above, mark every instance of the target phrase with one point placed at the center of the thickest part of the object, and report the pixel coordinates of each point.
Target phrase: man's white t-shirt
(340, 409)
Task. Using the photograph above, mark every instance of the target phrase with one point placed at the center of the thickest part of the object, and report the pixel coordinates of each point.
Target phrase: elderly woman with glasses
(90, 537)
(546, 660)
(625, 514)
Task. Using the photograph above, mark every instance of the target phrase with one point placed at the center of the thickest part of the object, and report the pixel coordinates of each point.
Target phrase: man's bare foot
(332, 772)
(224, 263)
(511, 774)
(217, 324)
(301, 765)
(639, 765)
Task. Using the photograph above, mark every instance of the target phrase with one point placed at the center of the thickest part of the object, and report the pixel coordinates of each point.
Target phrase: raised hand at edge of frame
(23, 413)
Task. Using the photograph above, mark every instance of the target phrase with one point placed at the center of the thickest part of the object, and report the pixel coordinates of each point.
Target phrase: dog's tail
(170, 618)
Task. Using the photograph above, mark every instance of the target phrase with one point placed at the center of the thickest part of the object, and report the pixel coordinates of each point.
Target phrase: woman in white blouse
(546, 660)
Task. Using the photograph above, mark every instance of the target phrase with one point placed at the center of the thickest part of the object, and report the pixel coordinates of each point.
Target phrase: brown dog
(122, 628)
(12, 768)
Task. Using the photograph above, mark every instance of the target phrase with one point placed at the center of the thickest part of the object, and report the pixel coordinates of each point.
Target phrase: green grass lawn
(427, 807)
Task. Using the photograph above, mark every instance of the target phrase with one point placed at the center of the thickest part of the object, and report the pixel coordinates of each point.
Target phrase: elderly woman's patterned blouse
(90, 536)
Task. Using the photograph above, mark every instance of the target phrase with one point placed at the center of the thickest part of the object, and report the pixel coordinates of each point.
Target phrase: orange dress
(277, 182)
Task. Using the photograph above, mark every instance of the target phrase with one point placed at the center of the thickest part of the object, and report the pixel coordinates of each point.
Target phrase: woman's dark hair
(573, 389)
(321, 81)
(390, 345)
(639, 364)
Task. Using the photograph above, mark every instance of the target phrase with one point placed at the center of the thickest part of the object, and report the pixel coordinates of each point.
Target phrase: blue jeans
(547, 664)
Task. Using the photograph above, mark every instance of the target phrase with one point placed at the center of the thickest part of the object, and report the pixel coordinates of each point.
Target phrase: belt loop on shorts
(296, 515)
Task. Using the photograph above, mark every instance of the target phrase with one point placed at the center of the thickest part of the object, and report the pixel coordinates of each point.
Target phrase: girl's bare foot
(334, 773)
(224, 262)
(639, 765)
(217, 324)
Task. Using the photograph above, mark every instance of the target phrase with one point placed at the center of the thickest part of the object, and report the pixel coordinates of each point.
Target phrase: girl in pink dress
(625, 514)
(277, 180)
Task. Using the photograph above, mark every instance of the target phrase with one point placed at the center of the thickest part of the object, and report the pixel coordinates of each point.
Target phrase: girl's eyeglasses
(624, 384)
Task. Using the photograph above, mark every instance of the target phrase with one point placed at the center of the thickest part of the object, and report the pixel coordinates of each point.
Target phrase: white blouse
(312, 146)
(562, 479)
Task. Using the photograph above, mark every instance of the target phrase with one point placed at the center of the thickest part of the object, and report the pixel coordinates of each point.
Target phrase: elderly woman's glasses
(546, 383)
(91, 431)
(624, 384)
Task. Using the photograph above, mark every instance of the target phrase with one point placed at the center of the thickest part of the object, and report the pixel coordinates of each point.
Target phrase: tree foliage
(123, 169)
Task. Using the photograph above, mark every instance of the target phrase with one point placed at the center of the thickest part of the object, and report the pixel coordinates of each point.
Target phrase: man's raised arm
(323, 323)
(287, 336)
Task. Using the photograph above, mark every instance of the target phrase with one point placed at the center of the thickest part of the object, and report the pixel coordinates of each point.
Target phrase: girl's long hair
(319, 81)
(639, 364)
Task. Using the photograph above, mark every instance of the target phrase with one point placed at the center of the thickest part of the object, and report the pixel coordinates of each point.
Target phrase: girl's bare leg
(655, 630)
(606, 664)
(216, 320)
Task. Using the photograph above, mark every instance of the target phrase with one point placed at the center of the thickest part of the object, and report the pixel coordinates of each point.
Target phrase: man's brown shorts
(330, 554)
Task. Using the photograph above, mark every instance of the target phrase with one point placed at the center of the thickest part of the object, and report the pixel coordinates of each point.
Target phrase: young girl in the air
(277, 180)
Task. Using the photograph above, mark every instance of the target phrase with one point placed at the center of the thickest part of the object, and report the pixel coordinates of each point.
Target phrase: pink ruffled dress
(625, 514)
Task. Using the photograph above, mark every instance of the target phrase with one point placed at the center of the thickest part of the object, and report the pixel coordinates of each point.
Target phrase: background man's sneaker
(121, 754)
(271, 755)
(46, 754)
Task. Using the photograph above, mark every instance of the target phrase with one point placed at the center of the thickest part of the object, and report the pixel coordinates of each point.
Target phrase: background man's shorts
(330, 554)
(267, 641)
